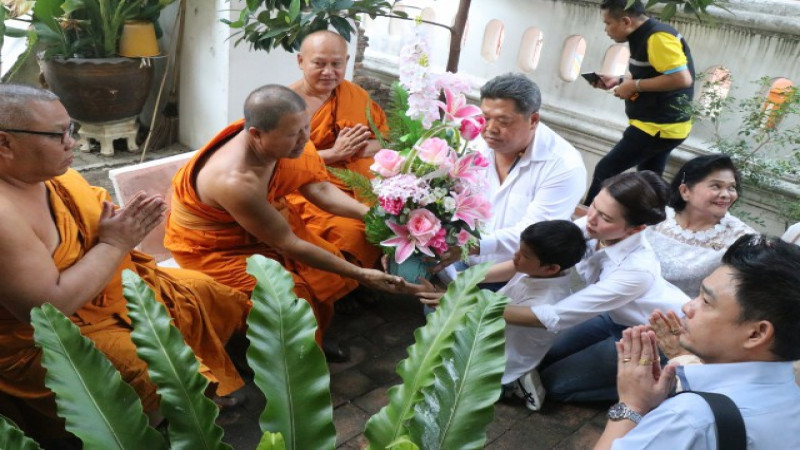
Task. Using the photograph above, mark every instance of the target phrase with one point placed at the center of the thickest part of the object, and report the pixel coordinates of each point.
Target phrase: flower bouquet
(427, 190)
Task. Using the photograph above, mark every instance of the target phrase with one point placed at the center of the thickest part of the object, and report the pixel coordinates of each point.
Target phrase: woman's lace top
(686, 256)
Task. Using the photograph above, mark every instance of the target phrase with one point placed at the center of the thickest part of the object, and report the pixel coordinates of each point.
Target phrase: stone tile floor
(378, 339)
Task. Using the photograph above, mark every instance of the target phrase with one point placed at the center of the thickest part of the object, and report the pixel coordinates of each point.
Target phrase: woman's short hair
(696, 170)
(642, 195)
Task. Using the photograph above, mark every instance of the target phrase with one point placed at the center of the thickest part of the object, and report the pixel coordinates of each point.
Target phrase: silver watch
(619, 411)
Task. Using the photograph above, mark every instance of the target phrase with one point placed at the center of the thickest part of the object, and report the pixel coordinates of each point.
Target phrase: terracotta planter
(99, 90)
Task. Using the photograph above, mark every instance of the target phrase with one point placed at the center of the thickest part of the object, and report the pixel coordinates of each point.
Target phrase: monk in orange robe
(229, 202)
(65, 244)
(341, 134)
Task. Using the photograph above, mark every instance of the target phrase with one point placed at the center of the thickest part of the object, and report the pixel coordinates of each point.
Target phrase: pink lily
(471, 207)
(405, 243)
(457, 108)
(468, 168)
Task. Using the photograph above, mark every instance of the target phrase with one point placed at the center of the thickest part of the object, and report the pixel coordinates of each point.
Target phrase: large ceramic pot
(99, 90)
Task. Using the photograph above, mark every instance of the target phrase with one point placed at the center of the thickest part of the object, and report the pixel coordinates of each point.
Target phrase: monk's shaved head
(14, 103)
(323, 38)
(266, 105)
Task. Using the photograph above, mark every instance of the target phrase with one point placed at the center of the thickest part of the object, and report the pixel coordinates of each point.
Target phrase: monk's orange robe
(208, 239)
(207, 313)
(346, 107)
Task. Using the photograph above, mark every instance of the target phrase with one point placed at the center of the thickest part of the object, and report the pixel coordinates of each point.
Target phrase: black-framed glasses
(71, 131)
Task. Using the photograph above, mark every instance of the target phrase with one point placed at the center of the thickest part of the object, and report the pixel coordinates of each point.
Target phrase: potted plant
(79, 57)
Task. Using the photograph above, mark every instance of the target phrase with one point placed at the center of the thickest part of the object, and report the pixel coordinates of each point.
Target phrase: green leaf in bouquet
(375, 130)
(376, 230)
(360, 184)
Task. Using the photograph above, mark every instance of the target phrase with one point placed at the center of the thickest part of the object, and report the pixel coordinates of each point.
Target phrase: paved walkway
(378, 339)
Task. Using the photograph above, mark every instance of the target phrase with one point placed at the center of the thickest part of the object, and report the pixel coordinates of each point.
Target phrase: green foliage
(99, 408)
(425, 357)
(11, 438)
(88, 28)
(765, 142)
(173, 368)
(268, 24)
(271, 441)
(696, 7)
(403, 130)
(459, 405)
(289, 366)
(358, 183)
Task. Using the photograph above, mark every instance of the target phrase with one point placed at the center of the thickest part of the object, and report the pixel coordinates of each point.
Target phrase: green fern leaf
(99, 408)
(459, 405)
(174, 369)
(289, 365)
(417, 371)
(360, 184)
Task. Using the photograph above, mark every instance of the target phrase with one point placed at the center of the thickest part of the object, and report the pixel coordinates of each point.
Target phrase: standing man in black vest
(656, 95)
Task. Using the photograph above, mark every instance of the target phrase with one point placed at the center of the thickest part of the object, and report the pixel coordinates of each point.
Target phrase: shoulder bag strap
(729, 423)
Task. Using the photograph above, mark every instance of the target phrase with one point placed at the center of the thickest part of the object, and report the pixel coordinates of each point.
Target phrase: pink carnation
(387, 163)
(393, 206)
(438, 242)
(434, 151)
(423, 225)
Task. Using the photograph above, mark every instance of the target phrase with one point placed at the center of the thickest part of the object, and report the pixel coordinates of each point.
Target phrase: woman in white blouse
(623, 286)
(690, 243)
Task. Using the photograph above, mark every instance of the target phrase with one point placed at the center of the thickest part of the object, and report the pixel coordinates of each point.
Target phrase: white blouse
(686, 256)
(623, 280)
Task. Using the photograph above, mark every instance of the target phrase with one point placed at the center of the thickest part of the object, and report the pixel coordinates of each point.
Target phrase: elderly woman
(691, 241)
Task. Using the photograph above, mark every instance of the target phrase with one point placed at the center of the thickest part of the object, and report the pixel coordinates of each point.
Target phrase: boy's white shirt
(526, 346)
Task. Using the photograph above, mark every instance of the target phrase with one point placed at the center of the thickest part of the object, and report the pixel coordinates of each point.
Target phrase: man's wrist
(638, 86)
(621, 411)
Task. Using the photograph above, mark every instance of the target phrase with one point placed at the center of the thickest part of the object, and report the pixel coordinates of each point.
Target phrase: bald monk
(341, 134)
(64, 243)
(229, 202)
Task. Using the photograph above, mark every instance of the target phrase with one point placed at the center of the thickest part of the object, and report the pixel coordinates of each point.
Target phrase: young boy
(547, 251)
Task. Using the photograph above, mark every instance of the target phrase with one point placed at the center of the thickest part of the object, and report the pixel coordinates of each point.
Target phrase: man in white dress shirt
(534, 173)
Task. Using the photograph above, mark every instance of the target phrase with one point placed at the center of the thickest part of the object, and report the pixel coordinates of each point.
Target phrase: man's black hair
(618, 8)
(766, 273)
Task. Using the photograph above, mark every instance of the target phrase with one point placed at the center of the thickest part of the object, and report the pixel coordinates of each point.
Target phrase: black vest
(657, 107)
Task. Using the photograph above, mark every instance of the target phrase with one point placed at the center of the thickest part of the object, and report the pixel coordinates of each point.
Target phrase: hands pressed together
(125, 227)
(351, 141)
(641, 382)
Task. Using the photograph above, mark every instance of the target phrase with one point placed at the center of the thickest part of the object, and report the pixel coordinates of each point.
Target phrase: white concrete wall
(761, 38)
(216, 76)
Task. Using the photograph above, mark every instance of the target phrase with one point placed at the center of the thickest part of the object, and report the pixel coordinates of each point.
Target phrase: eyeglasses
(71, 131)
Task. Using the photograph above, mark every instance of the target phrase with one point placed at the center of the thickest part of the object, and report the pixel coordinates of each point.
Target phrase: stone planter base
(105, 133)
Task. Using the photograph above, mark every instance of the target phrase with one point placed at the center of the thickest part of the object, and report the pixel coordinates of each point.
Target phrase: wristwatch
(619, 411)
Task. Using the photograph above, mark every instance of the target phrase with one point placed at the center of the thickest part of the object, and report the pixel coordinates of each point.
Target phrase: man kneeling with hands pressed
(745, 325)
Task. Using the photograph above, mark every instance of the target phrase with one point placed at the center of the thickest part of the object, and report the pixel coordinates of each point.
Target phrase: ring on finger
(675, 331)
(625, 360)
(645, 362)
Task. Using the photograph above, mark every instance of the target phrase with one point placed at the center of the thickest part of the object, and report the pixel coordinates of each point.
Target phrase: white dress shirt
(526, 346)
(623, 280)
(764, 392)
(546, 184)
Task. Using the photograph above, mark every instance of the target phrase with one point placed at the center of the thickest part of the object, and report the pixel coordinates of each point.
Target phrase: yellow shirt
(665, 54)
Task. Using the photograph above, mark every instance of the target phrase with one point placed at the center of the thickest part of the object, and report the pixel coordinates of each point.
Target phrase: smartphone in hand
(591, 77)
